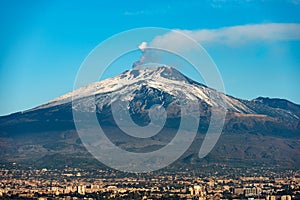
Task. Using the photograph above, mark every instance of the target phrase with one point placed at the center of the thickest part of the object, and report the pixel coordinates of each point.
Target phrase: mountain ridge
(52, 123)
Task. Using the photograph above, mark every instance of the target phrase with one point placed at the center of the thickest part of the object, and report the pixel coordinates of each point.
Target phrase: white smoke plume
(143, 47)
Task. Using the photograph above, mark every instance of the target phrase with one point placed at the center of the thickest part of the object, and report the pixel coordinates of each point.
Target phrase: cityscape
(74, 183)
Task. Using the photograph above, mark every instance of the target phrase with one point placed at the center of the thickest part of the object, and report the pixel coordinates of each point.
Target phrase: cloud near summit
(232, 36)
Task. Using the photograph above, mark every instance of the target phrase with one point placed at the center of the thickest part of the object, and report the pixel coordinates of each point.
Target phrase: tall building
(81, 189)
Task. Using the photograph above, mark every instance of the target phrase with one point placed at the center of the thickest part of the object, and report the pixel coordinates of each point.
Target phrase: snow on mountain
(261, 127)
(165, 79)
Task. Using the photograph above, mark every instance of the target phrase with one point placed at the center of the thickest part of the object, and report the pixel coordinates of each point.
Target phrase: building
(270, 197)
(81, 189)
(286, 197)
(238, 191)
(251, 192)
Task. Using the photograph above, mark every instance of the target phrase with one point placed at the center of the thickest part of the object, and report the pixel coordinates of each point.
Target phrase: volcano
(263, 131)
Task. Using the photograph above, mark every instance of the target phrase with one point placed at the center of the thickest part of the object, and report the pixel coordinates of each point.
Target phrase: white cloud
(234, 35)
(173, 40)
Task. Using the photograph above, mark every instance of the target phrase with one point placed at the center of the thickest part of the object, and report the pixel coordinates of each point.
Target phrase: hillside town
(73, 183)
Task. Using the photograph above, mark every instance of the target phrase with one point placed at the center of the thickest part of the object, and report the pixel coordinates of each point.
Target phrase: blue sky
(255, 44)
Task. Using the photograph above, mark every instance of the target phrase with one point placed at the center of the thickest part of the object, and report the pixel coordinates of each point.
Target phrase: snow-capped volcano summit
(165, 79)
